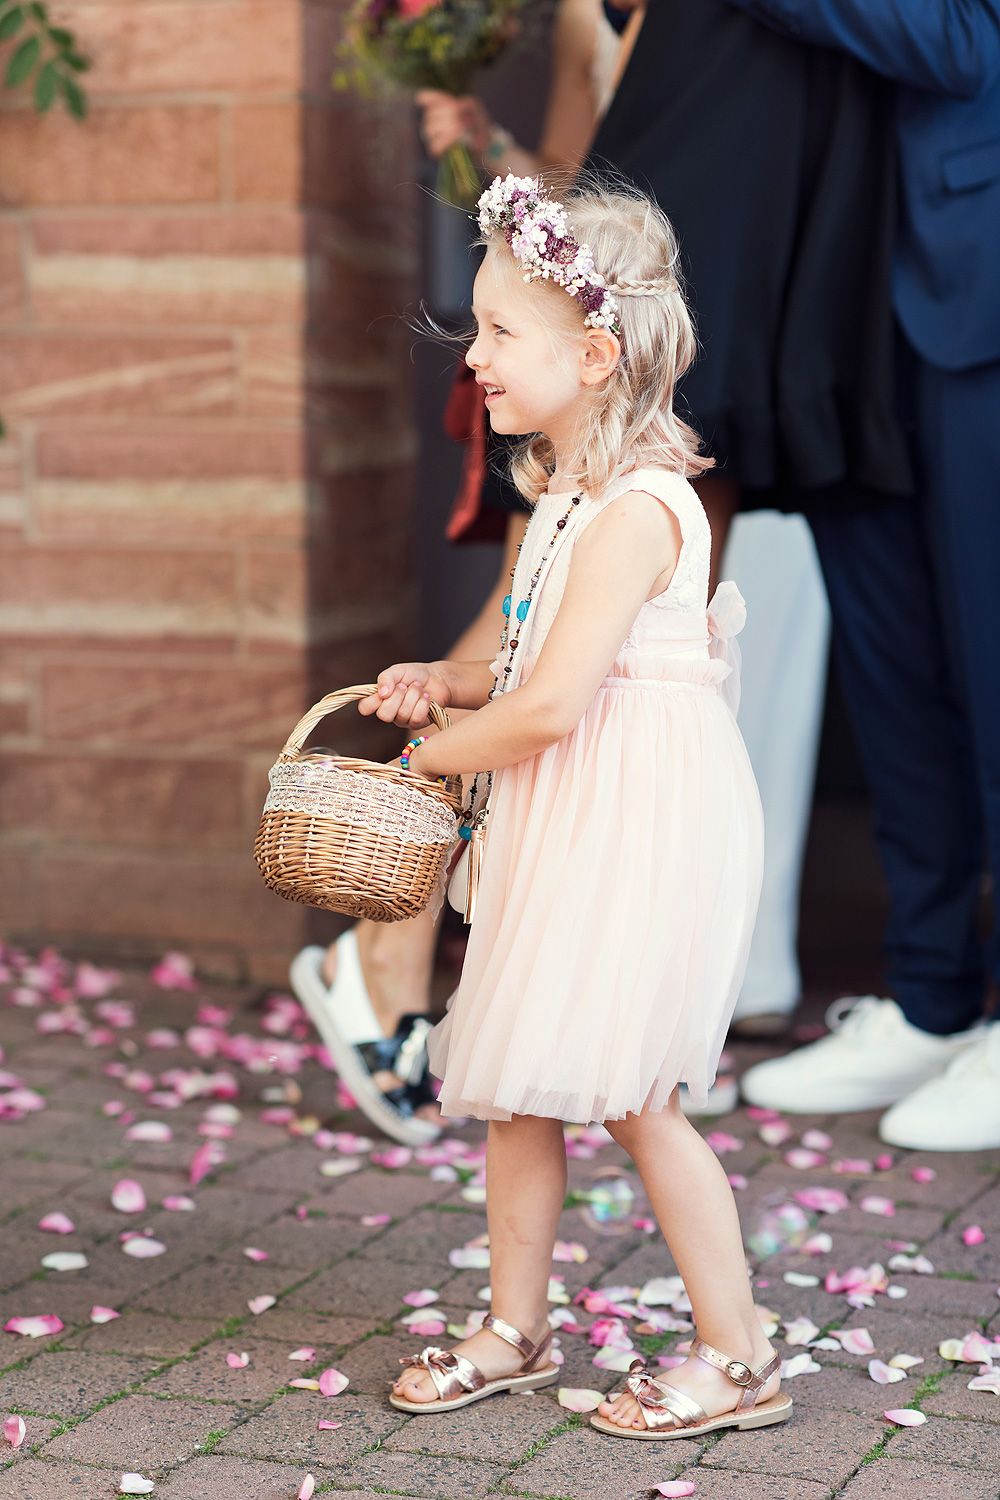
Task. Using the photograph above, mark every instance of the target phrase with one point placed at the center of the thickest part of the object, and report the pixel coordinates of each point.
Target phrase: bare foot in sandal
(494, 1355)
(697, 1380)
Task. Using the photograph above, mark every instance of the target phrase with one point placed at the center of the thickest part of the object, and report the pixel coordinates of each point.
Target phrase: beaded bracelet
(404, 759)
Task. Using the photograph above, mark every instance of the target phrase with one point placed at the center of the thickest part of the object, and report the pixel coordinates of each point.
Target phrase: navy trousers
(915, 598)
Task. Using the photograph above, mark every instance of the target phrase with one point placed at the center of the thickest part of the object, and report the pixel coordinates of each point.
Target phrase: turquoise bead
(506, 607)
(522, 609)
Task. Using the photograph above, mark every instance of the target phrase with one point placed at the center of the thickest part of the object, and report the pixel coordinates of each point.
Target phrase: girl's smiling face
(537, 374)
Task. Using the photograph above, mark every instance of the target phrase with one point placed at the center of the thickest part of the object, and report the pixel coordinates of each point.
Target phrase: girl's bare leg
(695, 1208)
(721, 499)
(526, 1185)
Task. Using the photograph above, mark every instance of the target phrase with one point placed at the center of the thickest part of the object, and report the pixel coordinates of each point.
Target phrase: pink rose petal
(817, 1140)
(674, 1488)
(775, 1132)
(421, 1298)
(254, 1254)
(237, 1361)
(854, 1166)
(34, 1328)
(57, 1223)
(375, 1221)
(905, 1417)
(212, 1154)
(576, 1398)
(142, 1248)
(883, 1162)
(305, 1384)
(128, 1197)
(328, 1426)
(306, 1489)
(332, 1382)
(177, 1203)
(150, 1131)
(737, 1181)
(853, 1340)
(394, 1158)
(99, 1314)
(973, 1235)
(822, 1200)
(112, 1107)
(884, 1374)
(803, 1160)
(923, 1174)
(257, 1305)
(163, 1039)
(721, 1143)
(427, 1328)
(14, 1430)
(175, 971)
(883, 1207)
(304, 1353)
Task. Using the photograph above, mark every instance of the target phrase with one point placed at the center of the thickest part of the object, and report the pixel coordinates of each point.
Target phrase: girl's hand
(403, 694)
(447, 120)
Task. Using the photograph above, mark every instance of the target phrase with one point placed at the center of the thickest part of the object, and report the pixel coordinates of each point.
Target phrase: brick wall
(205, 492)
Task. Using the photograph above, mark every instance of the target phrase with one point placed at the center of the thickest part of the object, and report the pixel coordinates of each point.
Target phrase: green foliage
(45, 54)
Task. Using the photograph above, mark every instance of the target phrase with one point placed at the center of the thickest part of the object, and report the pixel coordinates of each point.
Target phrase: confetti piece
(421, 1298)
(99, 1314)
(135, 1484)
(128, 1197)
(57, 1223)
(150, 1131)
(576, 1398)
(178, 1204)
(375, 1221)
(252, 1253)
(14, 1430)
(883, 1207)
(258, 1305)
(327, 1426)
(884, 1374)
(973, 1235)
(237, 1361)
(799, 1364)
(332, 1382)
(305, 1353)
(34, 1328)
(143, 1248)
(905, 1417)
(64, 1260)
(307, 1487)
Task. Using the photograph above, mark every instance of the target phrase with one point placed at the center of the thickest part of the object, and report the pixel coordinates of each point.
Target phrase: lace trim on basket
(364, 801)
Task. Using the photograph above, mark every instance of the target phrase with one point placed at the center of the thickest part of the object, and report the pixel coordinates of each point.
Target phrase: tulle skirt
(616, 905)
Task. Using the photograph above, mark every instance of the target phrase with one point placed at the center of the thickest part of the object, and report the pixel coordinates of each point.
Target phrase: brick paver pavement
(152, 1391)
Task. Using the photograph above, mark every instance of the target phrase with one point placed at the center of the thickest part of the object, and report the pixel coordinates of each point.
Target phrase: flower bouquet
(432, 44)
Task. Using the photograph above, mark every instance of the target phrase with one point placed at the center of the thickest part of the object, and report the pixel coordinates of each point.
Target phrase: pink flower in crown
(411, 9)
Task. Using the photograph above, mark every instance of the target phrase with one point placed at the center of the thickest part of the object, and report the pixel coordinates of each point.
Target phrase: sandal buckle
(738, 1372)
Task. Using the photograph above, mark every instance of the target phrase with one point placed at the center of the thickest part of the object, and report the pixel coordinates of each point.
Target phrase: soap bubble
(609, 1203)
(781, 1225)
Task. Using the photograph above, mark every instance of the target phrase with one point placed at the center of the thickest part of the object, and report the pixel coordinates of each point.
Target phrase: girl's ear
(601, 353)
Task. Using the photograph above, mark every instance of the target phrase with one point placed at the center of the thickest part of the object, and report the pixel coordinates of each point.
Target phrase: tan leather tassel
(477, 841)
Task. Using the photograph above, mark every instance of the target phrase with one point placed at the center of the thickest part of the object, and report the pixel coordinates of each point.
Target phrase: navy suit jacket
(945, 55)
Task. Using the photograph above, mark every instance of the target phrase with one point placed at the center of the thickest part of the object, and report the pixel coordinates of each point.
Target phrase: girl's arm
(626, 555)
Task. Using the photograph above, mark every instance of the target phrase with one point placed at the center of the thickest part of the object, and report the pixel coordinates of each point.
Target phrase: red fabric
(465, 422)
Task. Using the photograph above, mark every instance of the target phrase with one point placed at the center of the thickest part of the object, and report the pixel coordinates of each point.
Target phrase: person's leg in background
(784, 645)
(361, 991)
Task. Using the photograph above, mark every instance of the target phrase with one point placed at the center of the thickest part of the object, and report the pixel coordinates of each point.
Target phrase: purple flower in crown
(537, 231)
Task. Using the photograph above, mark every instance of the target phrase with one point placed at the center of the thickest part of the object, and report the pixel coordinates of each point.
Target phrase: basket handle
(331, 703)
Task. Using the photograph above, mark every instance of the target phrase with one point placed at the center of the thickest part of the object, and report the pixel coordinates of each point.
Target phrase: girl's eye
(498, 329)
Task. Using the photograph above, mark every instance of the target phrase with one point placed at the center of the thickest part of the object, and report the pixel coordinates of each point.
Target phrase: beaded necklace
(475, 826)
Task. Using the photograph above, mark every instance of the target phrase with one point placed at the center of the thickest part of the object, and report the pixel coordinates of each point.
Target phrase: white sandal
(459, 1382)
(669, 1413)
(342, 1014)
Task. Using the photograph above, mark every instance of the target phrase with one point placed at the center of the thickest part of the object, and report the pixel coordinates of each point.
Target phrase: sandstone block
(165, 510)
(172, 451)
(11, 288)
(47, 376)
(267, 152)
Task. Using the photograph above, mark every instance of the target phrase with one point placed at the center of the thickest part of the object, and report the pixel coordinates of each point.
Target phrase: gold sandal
(669, 1413)
(458, 1382)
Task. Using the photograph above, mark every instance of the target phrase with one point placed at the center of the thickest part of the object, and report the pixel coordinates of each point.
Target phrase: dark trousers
(915, 596)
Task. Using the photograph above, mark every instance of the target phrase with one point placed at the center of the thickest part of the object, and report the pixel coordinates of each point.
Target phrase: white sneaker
(960, 1110)
(874, 1058)
(723, 1098)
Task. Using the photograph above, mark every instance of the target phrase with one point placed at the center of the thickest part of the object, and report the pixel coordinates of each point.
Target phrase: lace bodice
(671, 630)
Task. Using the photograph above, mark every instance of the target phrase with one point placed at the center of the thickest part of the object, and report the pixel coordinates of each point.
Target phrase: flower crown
(536, 229)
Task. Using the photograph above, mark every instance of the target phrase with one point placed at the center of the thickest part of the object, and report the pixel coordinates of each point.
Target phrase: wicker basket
(352, 835)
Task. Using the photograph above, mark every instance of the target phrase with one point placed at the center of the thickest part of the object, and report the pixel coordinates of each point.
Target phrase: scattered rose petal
(721, 1143)
(421, 1298)
(254, 1254)
(142, 1248)
(112, 1107)
(803, 1160)
(175, 971)
(799, 1364)
(883, 1162)
(576, 1398)
(179, 1204)
(923, 1174)
(34, 1328)
(305, 1384)
(118, 1013)
(973, 1235)
(99, 1314)
(818, 1244)
(661, 1291)
(988, 1380)
(163, 1039)
(737, 1181)
(64, 1260)
(895, 1292)
(646, 1226)
(237, 1361)
(905, 1417)
(817, 1140)
(332, 1382)
(305, 1353)
(884, 1207)
(822, 1200)
(570, 1251)
(394, 1158)
(775, 1132)
(14, 1430)
(905, 1361)
(443, 1173)
(307, 1487)
(375, 1221)
(427, 1328)
(154, 1131)
(212, 1154)
(800, 1278)
(257, 1305)
(135, 1484)
(918, 1263)
(884, 1374)
(615, 1357)
(801, 1330)
(855, 1166)
(328, 1426)
(853, 1340)
(468, 1258)
(128, 1197)
(57, 1223)
(339, 1166)
(674, 1488)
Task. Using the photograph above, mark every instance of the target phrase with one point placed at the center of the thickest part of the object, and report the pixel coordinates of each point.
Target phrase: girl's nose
(473, 356)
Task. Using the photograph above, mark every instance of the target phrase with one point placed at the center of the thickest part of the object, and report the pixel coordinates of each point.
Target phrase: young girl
(623, 847)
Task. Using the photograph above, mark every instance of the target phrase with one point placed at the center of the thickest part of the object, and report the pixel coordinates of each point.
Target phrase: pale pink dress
(622, 865)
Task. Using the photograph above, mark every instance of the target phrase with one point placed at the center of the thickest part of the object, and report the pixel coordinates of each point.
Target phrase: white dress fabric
(622, 865)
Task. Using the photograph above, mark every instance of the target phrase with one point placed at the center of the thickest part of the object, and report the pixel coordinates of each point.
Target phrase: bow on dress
(727, 615)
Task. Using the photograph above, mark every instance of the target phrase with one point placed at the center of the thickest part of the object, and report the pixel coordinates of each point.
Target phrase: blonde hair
(631, 422)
